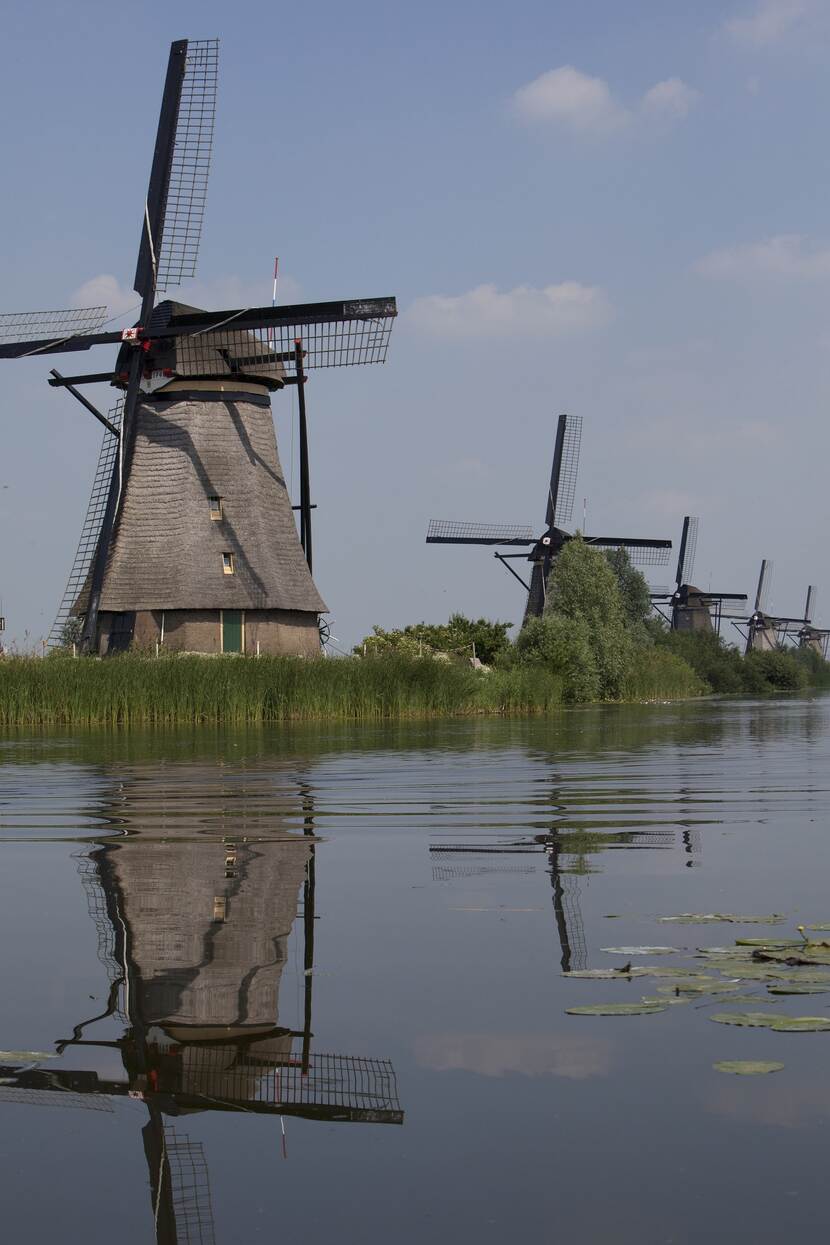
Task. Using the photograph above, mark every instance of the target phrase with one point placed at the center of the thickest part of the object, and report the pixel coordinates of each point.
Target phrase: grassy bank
(136, 690)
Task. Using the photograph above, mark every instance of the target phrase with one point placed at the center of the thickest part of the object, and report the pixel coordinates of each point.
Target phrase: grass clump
(134, 689)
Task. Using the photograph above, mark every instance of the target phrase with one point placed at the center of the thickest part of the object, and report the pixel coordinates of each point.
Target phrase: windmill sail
(688, 548)
(450, 532)
(562, 486)
(764, 579)
(91, 530)
(23, 326)
(176, 195)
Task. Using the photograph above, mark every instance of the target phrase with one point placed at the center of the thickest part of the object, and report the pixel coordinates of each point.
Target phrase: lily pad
(796, 987)
(714, 918)
(819, 928)
(747, 1067)
(25, 1056)
(801, 1024)
(606, 974)
(751, 998)
(773, 943)
(642, 950)
(732, 952)
(713, 987)
(671, 999)
(749, 1020)
(806, 953)
(617, 1009)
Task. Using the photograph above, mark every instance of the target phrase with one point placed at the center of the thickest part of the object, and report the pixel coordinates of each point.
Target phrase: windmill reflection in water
(568, 851)
(193, 929)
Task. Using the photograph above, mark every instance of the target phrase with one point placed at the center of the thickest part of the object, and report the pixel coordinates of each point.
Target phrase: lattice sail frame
(449, 531)
(690, 551)
(223, 349)
(642, 555)
(192, 151)
(24, 326)
(571, 445)
(91, 528)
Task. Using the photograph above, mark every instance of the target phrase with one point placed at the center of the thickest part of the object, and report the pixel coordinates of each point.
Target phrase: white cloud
(232, 292)
(769, 22)
(568, 98)
(571, 98)
(788, 256)
(105, 290)
(552, 311)
(671, 100)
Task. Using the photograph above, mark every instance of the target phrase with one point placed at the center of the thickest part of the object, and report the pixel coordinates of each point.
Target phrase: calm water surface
(307, 984)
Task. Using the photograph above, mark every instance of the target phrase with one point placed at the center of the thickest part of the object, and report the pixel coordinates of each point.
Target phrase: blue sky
(614, 209)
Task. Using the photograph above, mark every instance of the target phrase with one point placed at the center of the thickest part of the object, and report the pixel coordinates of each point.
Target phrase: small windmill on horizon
(692, 608)
(189, 540)
(558, 509)
(766, 632)
(809, 636)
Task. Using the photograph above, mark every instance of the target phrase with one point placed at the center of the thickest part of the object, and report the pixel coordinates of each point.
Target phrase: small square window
(215, 507)
(227, 563)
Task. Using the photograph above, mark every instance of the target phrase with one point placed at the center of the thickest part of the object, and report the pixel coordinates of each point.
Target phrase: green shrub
(563, 647)
(658, 674)
(774, 671)
(718, 665)
(461, 637)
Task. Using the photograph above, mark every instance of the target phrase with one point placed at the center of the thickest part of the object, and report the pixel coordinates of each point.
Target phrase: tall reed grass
(141, 690)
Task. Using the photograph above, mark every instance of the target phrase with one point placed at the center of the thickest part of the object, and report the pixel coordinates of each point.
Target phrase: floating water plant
(749, 1020)
(801, 1024)
(642, 950)
(617, 1009)
(747, 1067)
(713, 918)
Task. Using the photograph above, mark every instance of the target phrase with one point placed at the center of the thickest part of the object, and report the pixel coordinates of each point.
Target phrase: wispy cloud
(789, 256)
(671, 100)
(572, 100)
(105, 290)
(769, 21)
(552, 311)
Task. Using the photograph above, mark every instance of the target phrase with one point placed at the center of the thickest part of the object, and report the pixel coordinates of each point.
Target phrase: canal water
(309, 984)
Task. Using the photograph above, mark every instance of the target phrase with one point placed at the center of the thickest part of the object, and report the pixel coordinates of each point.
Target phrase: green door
(231, 631)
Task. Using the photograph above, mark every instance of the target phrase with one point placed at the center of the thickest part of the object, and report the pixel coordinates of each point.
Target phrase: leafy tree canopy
(460, 636)
(583, 587)
(634, 590)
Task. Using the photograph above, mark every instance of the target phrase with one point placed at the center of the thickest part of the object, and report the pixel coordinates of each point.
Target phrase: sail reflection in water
(194, 934)
(568, 849)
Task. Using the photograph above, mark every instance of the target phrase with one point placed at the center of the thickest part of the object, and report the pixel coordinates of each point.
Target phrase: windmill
(558, 509)
(692, 609)
(189, 541)
(810, 637)
(193, 934)
(765, 632)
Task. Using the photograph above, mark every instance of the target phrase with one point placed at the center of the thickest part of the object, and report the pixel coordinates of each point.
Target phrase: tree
(71, 631)
(460, 637)
(563, 645)
(583, 587)
(634, 591)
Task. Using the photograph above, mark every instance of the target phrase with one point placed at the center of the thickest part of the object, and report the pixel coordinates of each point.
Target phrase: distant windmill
(692, 609)
(189, 540)
(810, 637)
(765, 632)
(558, 509)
